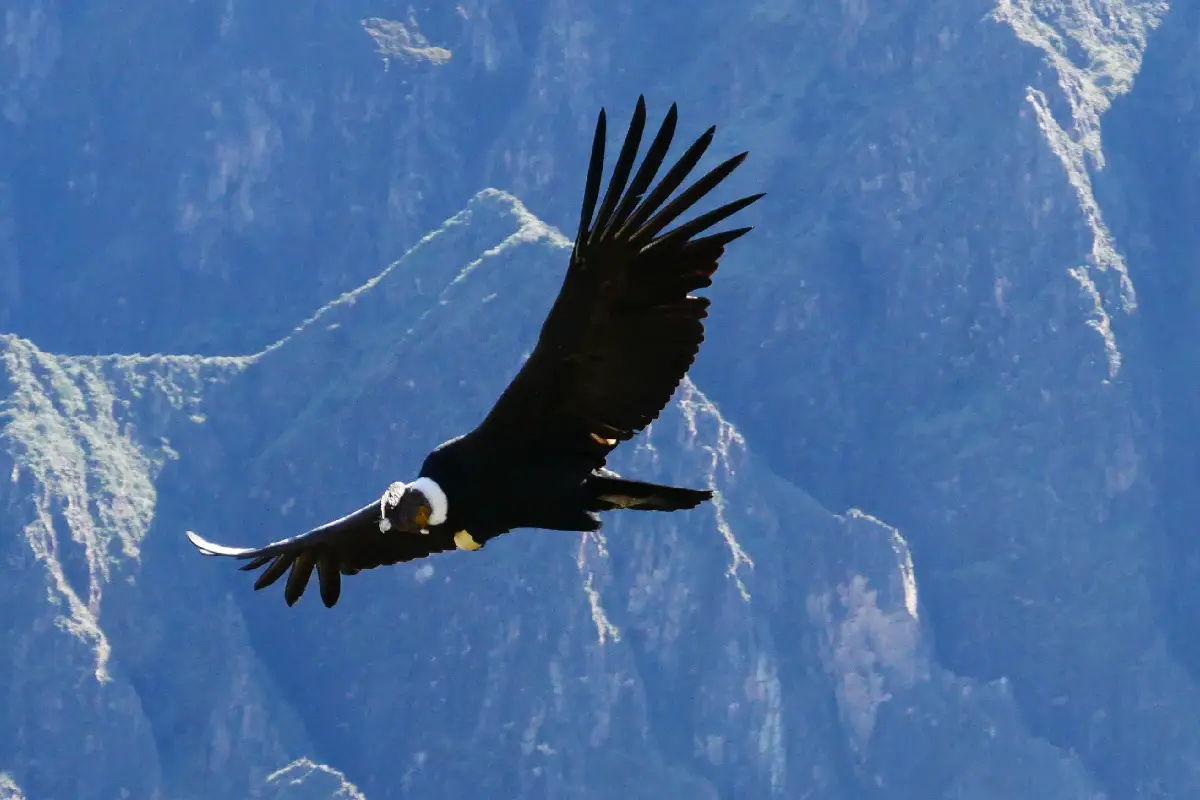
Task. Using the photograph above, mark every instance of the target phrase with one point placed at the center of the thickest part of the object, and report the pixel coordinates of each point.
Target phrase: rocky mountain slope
(754, 647)
(948, 401)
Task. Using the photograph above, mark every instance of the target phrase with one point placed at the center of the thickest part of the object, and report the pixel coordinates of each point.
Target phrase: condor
(621, 335)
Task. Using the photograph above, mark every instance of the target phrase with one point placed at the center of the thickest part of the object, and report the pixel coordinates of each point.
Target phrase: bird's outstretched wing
(624, 329)
(342, 547)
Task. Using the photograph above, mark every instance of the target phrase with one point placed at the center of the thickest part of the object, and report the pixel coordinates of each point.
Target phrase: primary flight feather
(619, 338)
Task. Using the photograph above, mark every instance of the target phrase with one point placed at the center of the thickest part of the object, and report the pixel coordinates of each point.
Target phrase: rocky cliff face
(962, 312)
(749, 648)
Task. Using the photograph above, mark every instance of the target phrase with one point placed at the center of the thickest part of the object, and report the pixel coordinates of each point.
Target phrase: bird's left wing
(624, 329)
(342, 547)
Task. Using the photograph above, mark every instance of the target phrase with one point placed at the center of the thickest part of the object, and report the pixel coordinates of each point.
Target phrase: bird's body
(527, 490)
(619, 338)
(534, 489)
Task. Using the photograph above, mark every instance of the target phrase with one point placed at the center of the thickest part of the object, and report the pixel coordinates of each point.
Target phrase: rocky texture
(759, 646)
(966, 310)
(305, 780)
(9, 789)
(1152, 186)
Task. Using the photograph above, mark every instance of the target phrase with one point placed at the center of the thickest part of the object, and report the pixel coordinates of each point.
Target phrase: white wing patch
(390, 499)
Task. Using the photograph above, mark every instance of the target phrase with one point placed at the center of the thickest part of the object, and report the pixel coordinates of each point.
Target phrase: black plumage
(620, 336)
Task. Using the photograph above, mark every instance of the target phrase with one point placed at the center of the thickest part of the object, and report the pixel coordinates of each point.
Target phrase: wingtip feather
(329, 578)
(297, 582)
(621, 170)
(273, 572)
(591, 189)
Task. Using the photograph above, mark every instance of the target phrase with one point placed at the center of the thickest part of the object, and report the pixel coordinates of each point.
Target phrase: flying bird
(620, 336)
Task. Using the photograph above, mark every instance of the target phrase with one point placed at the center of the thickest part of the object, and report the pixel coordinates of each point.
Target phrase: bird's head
(412, 508)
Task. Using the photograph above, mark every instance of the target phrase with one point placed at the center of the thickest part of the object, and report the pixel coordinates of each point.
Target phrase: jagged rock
(759, 644)
(304, 779)
(965, 311)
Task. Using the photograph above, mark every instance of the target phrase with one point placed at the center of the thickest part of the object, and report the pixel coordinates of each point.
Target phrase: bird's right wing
(342, 547)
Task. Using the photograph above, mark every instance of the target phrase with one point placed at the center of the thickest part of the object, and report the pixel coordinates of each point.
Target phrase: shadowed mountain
(968, 310)
(745, 648)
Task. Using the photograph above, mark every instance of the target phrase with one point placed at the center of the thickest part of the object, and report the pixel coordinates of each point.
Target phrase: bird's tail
(612, 492)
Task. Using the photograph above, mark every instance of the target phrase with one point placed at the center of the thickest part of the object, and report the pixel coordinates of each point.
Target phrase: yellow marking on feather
(464, 541)
(598, 439)
(422, 518)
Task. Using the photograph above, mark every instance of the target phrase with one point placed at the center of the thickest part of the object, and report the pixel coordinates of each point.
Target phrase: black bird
(621, 335)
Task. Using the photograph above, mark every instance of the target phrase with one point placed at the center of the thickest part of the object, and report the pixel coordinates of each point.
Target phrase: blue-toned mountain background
(257, 258)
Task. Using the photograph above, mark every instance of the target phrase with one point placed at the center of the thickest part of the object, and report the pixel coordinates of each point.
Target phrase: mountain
(650, 660)
(255, 262)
